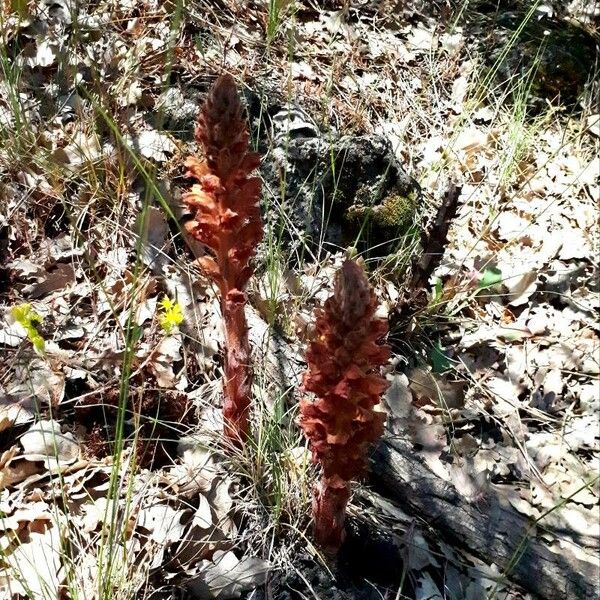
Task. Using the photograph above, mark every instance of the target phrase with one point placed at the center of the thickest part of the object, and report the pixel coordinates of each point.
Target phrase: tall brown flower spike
(225, 202)
(344, 361)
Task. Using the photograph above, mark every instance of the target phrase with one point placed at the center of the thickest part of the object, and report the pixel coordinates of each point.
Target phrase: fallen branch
(494, 530)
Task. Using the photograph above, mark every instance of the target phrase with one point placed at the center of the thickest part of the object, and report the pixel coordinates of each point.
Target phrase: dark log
(492, 529)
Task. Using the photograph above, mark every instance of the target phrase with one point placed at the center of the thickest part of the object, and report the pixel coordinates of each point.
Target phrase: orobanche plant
(225, 202)
(344, 361)
(346, 354)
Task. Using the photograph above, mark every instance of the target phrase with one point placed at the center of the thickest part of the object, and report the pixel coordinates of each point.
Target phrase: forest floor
(114, 482)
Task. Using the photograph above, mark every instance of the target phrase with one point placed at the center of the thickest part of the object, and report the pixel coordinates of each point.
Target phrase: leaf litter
(515, 408)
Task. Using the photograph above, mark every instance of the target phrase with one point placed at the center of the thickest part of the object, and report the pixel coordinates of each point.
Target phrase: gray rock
(331, 190)
(321, 189)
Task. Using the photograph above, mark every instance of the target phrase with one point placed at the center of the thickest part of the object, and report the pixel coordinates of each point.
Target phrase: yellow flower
(28, 318)
(172, 316)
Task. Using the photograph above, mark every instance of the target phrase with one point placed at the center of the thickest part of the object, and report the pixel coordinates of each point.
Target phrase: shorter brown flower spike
(344, 361)
(225, 203)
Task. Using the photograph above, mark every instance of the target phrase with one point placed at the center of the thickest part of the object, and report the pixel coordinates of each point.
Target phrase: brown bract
(344, 360)
(225, 202)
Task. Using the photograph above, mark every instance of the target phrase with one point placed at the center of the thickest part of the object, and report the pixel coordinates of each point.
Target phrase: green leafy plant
(491, 278)
(439, 360)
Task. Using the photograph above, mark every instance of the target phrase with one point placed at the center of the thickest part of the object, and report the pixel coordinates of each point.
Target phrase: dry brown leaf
(44, 441)
(161, 362)
(15, 470)
(227, 576)
(33, 567)
(203, 515)
(13, 413)
(163, 522)
(196, 471)
(50, 281)
(35, 383)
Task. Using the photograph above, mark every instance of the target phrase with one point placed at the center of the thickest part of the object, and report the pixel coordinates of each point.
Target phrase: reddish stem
(329, 513)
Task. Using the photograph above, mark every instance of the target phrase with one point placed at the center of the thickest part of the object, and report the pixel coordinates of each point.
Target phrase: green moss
(396, 211)
(354, 214)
